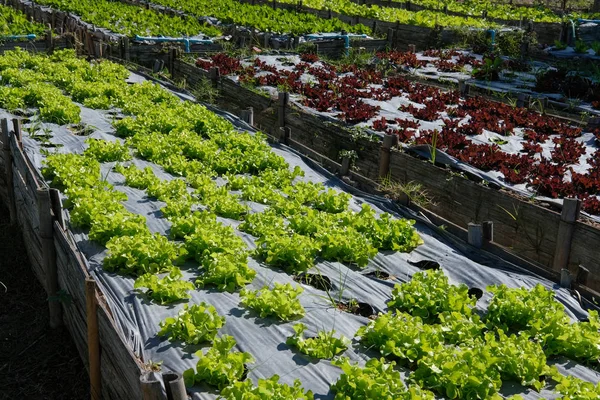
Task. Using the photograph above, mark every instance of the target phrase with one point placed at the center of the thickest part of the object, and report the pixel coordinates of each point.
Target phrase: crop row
(431, 327)
(130, 20)
(474, 130)
(13, 22)
(507, 12)
(425, 18)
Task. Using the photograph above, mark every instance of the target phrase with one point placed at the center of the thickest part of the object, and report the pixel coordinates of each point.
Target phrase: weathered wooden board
(121, 369)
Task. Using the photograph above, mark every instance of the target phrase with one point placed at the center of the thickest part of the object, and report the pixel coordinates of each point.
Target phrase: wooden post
(175, 386)
(384, 159)
(475, 235)
(566, 227)
(214, 74)
(56, 204)
(345, 168)
(463, 88)
(93, 339)
(49, 256)
(522, 100)
(125, 41)
(8, 170)
(285, 134)
(412, 48)
(566, 279)
(172, 58)
(582, 275)
(283, 99)
(17, 124)
(248, 116)
(49, 43)
(390, 38)
(151, 387)
(488, 231)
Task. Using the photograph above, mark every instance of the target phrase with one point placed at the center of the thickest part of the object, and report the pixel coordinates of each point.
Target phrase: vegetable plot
(451, 348)
(262, 17)
(528, 151)
(13, 22)
(130, 20)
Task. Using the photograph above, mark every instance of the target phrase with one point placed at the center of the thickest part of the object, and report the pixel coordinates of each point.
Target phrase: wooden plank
(125, 366)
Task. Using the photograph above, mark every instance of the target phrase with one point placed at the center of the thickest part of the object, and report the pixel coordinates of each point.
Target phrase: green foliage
(281, 302)
(141, 254)
(194, 324)
(267, 389)
(401, 336)
(219, 367)
(105, 151)
(262, 223)
(572, 388)
(226, 271)
(87, 203)
(517, 358)
(578, 341)
(332, 201)
(71, 170)
(263, 17)
(291, 252)
(105, 227)
(165, 290)
(13, 22)
(428, 294)
(465, 372)
(137, 178)
(522, 309)
(344, 244)
(376, 380)
(324, 345)
(132, 20)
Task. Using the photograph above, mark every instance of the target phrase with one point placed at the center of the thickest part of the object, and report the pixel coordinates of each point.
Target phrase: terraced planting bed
(524, 150)
(255, 273)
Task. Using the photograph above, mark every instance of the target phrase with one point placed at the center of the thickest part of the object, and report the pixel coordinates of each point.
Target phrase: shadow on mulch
(35, 362)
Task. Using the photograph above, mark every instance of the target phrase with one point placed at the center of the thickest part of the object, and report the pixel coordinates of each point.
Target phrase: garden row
(330, 143)
(435, 27)
(506, 13)
(509, 342)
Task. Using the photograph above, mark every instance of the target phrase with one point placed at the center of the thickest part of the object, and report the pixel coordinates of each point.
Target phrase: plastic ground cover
(265, 339)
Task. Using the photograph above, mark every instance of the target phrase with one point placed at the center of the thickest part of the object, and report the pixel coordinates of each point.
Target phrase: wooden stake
(8, 169)
(248, 116)
(384, 159)
(49, 256)
(285, 134)
(17, 124)
(345, 169)
(283, 98)
(475, 235)
(488, 231)
(93, 339)
(566, 227)
(56, 204)
(151, 387)
(175, 386)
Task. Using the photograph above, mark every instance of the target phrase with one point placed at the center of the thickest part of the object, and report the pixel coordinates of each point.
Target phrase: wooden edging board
(525, 228)
(113, 366)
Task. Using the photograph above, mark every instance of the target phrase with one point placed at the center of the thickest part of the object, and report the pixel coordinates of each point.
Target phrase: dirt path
(35, 362)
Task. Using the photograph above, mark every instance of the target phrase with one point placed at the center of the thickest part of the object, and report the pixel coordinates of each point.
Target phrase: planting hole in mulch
(81, 129)
(379, 275)
(425, 264)
(475, 292)
(358, 308)
(317, 281)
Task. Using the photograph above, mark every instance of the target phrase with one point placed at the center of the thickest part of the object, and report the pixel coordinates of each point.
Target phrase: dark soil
(35, 361)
